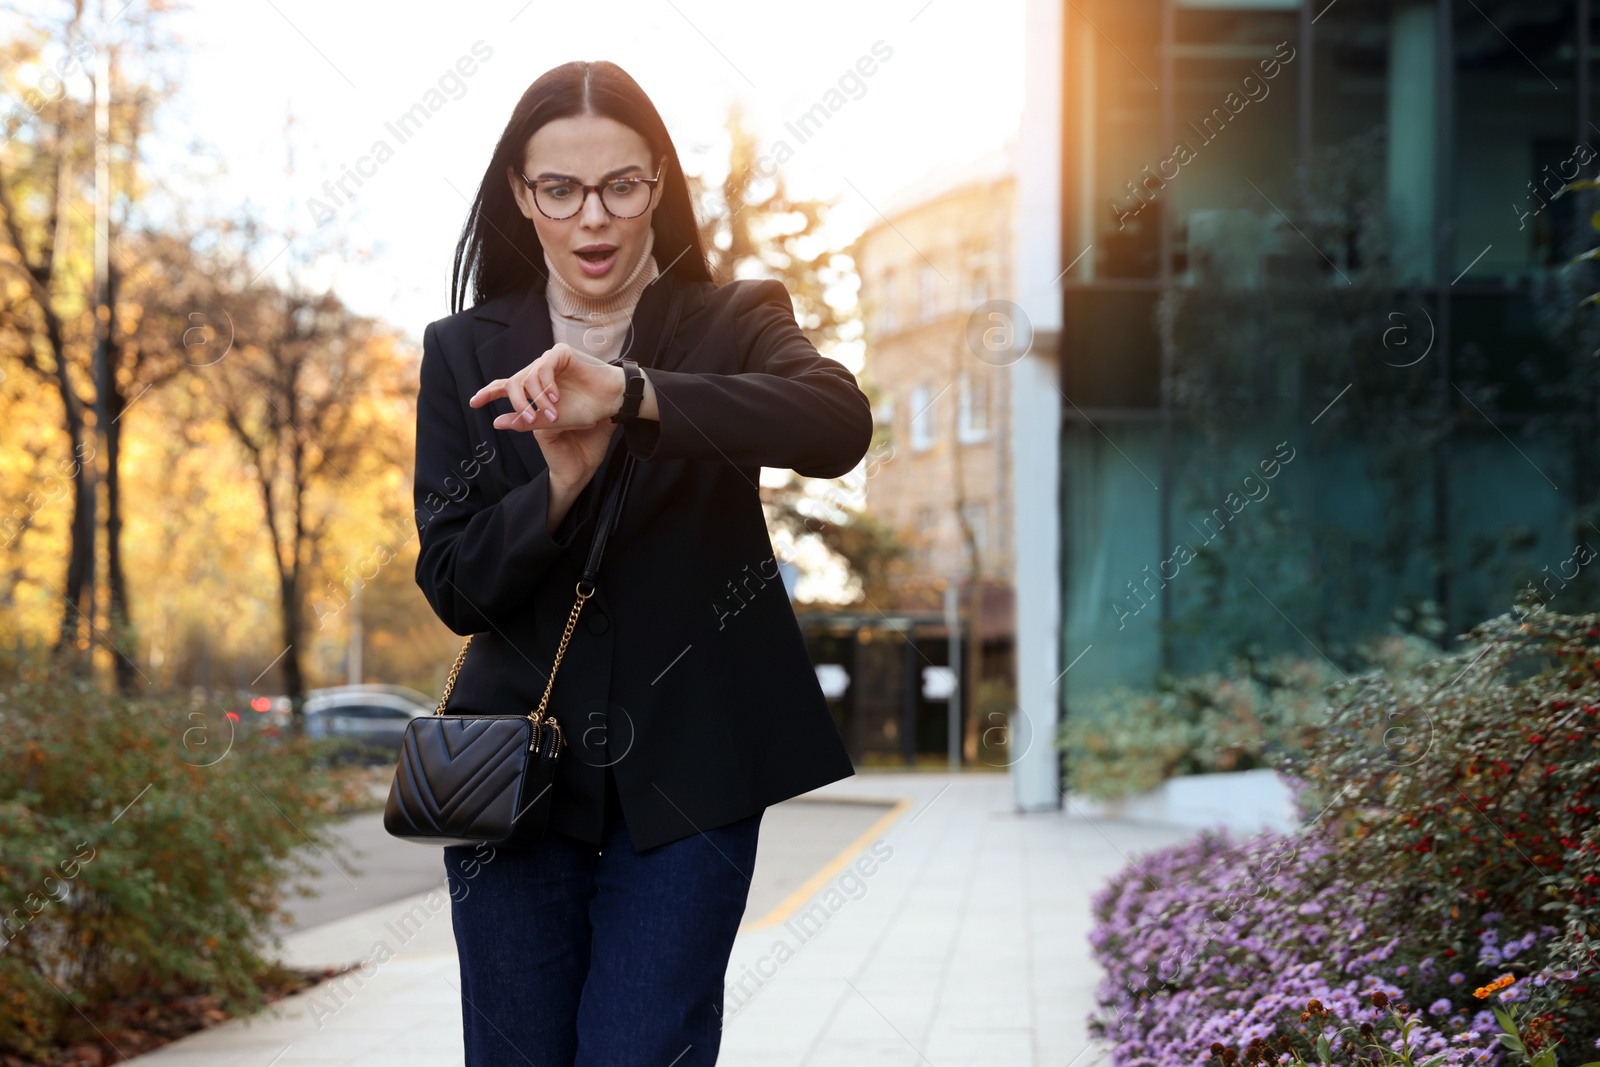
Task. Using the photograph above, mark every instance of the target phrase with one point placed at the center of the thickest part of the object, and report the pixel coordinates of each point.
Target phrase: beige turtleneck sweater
(597, 327)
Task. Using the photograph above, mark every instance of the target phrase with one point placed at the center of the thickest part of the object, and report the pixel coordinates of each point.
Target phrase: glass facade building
(1323, 368)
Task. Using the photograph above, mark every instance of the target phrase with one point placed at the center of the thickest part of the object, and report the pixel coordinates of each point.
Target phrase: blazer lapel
(644, 331)
(504, 351)
(649, 333)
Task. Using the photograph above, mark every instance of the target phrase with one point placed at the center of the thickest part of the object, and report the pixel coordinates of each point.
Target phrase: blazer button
(598, 623)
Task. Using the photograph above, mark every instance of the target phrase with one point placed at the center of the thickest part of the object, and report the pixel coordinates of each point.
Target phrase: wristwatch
(632, 388)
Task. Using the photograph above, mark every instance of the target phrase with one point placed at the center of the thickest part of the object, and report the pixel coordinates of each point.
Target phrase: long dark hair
(499, 250)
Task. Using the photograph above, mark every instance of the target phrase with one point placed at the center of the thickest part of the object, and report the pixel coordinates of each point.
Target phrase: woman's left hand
(570, 389)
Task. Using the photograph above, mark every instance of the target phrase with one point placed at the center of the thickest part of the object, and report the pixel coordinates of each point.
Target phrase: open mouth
(596, 260)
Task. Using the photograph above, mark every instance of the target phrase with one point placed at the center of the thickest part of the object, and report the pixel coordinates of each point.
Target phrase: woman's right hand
(572, 457)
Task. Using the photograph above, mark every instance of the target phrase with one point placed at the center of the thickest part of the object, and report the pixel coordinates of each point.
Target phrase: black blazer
(687, 673)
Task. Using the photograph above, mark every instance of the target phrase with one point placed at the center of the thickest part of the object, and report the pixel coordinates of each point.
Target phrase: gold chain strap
(561, 649)
(537, 715)
(455, 669)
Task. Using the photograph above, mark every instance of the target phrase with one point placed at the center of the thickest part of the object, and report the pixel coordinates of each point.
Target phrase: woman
(686, 695)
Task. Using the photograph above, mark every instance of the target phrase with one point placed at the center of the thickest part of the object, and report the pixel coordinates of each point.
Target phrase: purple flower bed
(1218, 941)
(1451, 866)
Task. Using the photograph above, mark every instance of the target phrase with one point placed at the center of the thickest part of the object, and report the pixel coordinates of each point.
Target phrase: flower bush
(1467, 788)
(1450, 841)
(144, 852)
(1218, 941)
(1396, 1041)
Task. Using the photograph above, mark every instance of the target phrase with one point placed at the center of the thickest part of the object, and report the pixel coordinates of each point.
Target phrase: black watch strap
(632, 389)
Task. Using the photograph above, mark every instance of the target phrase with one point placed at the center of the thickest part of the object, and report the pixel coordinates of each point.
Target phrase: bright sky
(949, 91)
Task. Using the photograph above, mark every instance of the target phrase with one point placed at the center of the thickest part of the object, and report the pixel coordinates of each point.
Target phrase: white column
(1036, 416)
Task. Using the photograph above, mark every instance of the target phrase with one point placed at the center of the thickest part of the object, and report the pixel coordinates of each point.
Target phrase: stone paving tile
(969, 946)
(964, 947)
(405, 1014)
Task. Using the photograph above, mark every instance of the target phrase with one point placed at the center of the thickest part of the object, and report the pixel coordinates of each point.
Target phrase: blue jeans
(574, 955)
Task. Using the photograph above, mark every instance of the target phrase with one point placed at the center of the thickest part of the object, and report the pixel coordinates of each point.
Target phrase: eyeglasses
(562, 198)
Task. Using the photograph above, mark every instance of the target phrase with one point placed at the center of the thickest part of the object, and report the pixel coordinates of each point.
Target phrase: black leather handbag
(471, 779)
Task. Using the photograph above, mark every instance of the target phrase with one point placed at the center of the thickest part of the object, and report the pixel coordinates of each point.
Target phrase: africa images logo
(403, 128)
(1210, 128)
(805, 926)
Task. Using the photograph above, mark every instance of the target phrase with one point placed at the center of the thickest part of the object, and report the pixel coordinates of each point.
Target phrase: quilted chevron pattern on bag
(463, 779)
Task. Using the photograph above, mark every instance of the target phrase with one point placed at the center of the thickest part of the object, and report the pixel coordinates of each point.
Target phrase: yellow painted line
(790, 904)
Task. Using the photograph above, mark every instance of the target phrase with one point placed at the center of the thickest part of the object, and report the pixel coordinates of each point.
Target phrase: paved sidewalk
(950, 931)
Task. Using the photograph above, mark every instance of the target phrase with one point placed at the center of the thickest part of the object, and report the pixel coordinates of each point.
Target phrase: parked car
(367, 721)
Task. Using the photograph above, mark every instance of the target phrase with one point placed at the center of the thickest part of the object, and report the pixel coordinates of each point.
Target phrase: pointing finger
(493, 390)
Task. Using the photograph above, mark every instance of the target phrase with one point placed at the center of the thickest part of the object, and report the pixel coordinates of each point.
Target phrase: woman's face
(592, 251)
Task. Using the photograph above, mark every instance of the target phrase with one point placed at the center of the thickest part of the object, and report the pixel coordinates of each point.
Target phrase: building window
(927, 293)
(921, 418)
(972, 409)
(977, 286)
(884, 416)
(887, 322)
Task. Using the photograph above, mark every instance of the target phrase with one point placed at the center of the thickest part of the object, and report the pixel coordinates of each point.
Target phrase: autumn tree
(65, 149)
(309, 392)
(753, 227)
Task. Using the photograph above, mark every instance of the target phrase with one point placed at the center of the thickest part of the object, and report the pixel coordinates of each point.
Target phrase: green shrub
(1466, 790)
(1449, 858)
(144, 850)
(1259, 713)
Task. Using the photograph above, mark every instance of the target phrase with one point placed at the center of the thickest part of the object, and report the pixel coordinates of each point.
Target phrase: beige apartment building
(943, 483)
